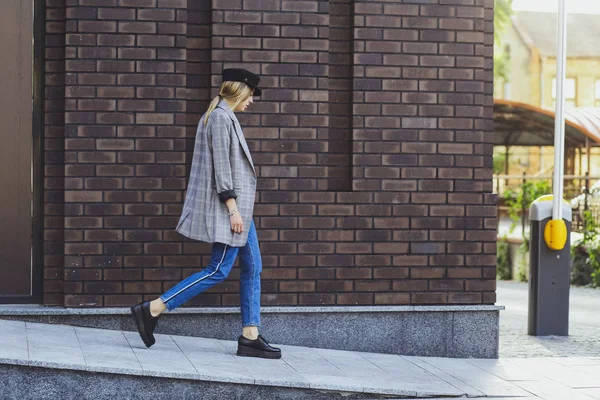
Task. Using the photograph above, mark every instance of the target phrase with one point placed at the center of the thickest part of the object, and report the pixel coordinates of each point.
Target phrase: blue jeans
(223, 257)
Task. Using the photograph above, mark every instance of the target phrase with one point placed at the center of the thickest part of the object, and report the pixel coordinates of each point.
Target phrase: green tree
(499, 161)
(520, 199)
(502, 13)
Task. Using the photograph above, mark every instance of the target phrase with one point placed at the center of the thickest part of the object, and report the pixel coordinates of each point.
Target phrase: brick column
(54, 146)
(124, 160)
(423, 135)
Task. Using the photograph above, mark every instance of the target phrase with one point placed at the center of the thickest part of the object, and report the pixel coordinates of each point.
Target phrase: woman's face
(244, 104)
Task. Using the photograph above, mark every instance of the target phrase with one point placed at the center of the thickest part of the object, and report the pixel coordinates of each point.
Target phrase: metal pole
(580, 171)
(559, 123)
(525, 200)
(588, 154)
(550, 238)
(506, 166)
(586, 192)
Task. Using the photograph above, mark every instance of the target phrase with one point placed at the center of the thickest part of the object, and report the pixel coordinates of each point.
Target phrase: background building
(530, 44)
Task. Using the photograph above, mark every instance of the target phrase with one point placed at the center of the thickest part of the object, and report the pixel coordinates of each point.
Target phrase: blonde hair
(234, 92)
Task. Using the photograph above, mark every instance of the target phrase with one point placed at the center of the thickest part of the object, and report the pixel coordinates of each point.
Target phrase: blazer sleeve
(220, 140)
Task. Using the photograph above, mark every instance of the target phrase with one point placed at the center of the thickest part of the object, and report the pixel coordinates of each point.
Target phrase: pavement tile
(469, 390)
(503, 369)
(477, 378)
(106, 349)
(309, 361)
(334, 383)
(409, 375)
(45, 335)
(593, 393)
(53, 343)
(163, 357)
(13, 352)
(577, 361)
(591, 370)
(349, 364)
(57, 354)
(565, 375)
(14, 340)
(548, 389)
(458, 398)
(273, 372)
(206, 346)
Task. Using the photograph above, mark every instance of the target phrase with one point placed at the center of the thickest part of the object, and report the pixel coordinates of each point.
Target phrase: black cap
(242, 75)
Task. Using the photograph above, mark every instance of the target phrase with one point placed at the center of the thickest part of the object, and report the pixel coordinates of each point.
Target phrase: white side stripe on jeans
(201, 279)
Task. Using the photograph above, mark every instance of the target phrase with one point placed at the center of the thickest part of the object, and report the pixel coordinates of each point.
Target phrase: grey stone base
(34, 383)
(436, 331)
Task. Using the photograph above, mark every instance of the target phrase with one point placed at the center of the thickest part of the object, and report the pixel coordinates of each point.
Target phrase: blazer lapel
(238, 131)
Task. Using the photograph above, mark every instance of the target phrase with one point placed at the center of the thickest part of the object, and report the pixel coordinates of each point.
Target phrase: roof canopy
(520, 124)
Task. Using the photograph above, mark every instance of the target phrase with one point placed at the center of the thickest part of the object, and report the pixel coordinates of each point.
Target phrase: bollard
(549, 272)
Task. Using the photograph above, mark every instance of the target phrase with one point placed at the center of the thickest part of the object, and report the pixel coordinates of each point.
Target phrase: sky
(575, 6)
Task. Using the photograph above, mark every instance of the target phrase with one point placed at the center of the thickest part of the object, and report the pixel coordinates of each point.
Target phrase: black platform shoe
(146, 323)
(257, 348)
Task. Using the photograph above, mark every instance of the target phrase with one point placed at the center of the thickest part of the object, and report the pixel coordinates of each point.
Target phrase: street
(584, 324)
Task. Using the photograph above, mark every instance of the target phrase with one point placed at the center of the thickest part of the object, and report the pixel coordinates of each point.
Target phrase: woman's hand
(237, 224)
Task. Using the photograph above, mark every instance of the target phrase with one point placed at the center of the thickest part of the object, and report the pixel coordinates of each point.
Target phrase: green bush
(523, 261)
(499, 162)
(585, 255)
(521, 199)
(503, 270)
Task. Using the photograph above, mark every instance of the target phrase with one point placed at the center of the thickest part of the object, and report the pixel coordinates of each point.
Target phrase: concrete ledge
(42, 310)
(52, 383)
(436, 331)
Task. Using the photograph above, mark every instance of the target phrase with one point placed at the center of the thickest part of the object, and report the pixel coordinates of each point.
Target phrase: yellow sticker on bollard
(555, 234)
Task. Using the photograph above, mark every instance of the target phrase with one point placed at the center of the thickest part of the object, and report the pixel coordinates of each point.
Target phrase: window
(570, 93)
(597, 97)
(507, 90)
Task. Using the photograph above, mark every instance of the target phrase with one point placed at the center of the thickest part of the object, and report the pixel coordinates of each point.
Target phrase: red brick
(316, 299)
(392, 298)
(96, 26)
(116, 40)
(133, 3)
(262, 5)
(155, 40)
(116, 13)
(354, 299)
(155, 15)
(429, 298)
(465, 298)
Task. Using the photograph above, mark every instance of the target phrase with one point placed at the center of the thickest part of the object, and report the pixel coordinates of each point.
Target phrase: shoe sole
(244, 351)
(139, 321)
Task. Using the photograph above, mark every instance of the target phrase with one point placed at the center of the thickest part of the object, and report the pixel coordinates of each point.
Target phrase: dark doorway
(20, 150)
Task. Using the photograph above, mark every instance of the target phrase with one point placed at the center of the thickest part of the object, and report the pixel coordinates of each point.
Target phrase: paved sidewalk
(584, 325)
(96, 350)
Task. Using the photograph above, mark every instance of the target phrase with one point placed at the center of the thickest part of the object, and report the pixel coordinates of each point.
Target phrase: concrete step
(47, 361)
(457, 331)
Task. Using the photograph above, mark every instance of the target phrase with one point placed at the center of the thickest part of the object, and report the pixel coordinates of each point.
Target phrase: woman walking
(218, 209)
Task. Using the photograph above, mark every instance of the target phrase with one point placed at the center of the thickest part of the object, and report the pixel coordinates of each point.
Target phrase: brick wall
(372, 139)
(54, 180)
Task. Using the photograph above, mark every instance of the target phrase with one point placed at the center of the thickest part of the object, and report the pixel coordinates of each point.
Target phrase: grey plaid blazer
(221, 162)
